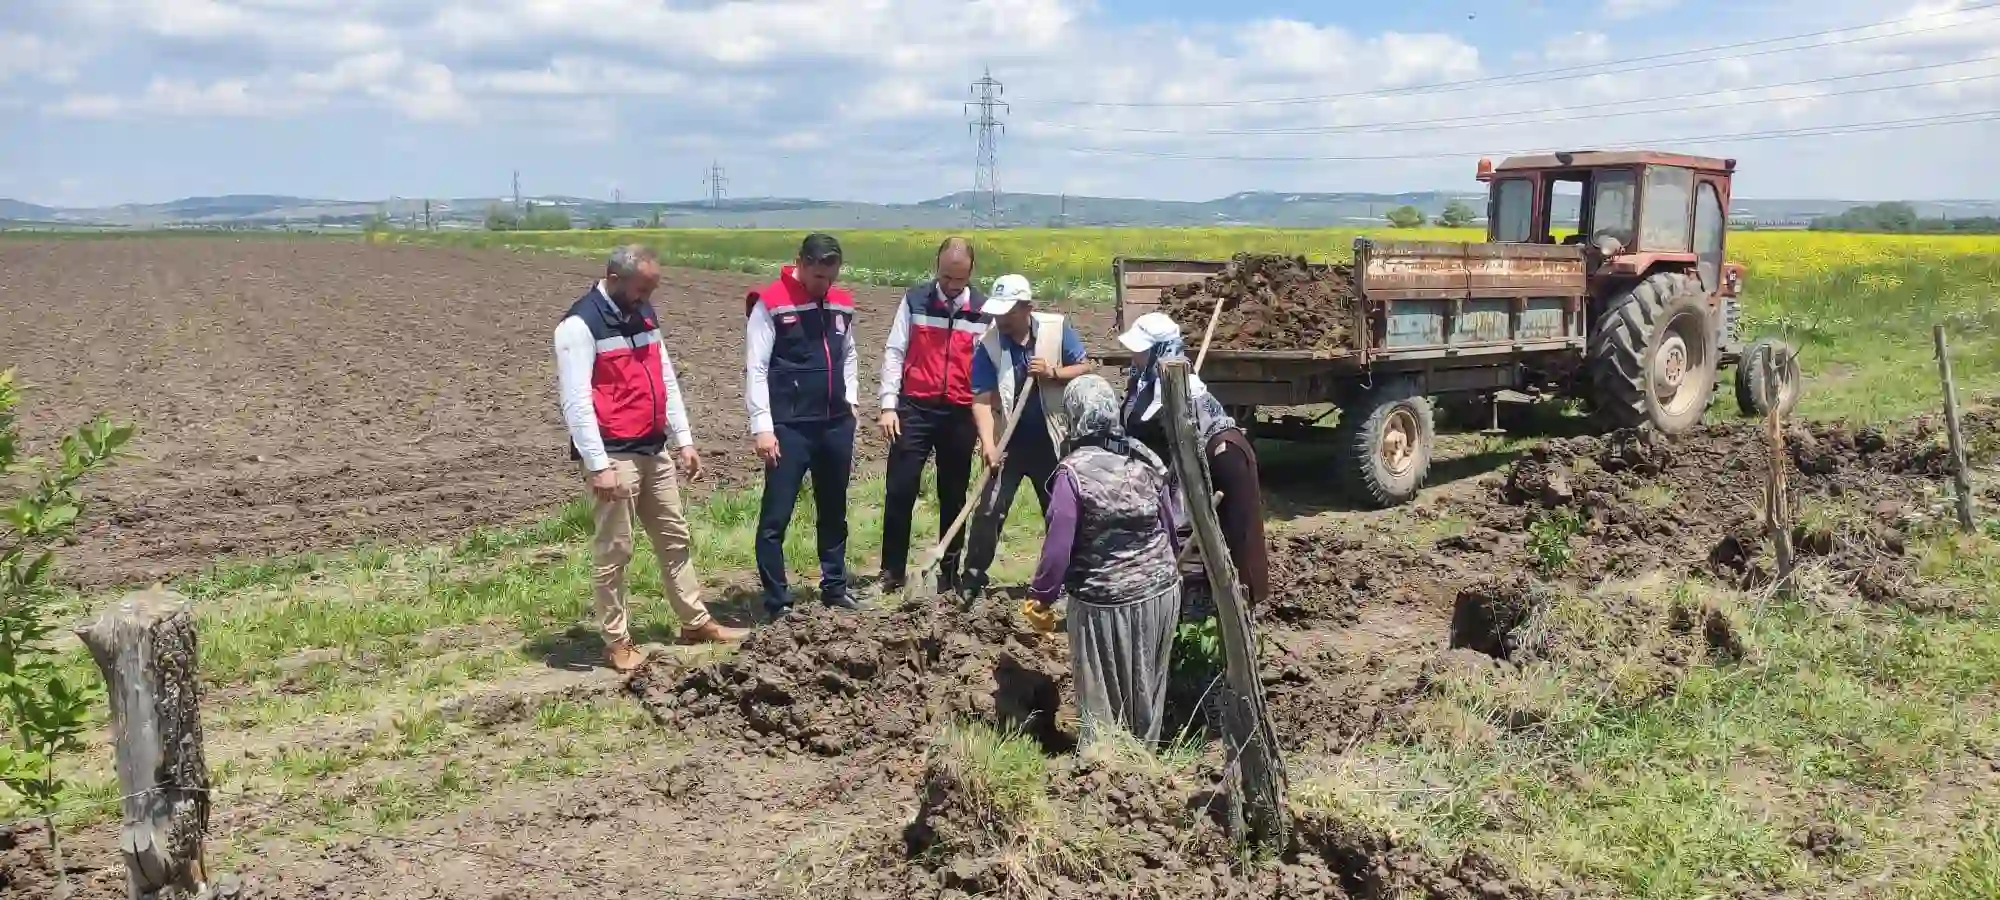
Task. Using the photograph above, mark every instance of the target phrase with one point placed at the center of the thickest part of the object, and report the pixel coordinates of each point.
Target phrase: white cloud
(583, 76)
(430, 94)
(868, 84)
(308, 27)
(163, 96)
(352, 73)
(1633, 9)
(34, 56)
(1579, 48)
(87, 106)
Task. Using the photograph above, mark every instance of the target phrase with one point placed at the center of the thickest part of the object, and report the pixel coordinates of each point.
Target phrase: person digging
(1110, 548)
(1024, 351)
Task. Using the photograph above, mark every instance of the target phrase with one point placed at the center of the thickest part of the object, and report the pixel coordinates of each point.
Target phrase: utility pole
(427, 214)
(986, 169)
(715, 181)
(617, 204)
(517, 191)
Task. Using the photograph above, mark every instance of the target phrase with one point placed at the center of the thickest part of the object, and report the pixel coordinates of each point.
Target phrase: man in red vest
(621, 403)
(927, 405)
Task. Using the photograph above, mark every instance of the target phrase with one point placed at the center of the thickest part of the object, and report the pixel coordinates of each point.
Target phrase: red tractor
(1663, 298)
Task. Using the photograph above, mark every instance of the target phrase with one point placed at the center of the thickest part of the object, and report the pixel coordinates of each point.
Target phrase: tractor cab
(1635, 212)
(1663, 308)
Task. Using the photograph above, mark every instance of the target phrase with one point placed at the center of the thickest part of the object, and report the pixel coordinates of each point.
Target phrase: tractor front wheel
(1384, 440)
(1653, 355)
(1751, 396)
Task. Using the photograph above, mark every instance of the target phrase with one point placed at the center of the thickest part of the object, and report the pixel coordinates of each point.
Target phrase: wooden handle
(1013, 419)
(1214, 316)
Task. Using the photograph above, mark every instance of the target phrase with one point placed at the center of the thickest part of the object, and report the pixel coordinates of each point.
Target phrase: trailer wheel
(1653, 355)
(1384, 440)
(1750, 378)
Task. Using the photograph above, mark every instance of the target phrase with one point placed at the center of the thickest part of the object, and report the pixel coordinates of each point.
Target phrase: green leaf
(59, 517)
(20, 516)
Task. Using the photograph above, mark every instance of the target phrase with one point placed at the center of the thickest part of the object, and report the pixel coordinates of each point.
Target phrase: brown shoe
(713, 632)
(622, 656)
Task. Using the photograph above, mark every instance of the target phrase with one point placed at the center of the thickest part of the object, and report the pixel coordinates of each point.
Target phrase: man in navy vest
(800, 386)
(621, 401)
(927, 404)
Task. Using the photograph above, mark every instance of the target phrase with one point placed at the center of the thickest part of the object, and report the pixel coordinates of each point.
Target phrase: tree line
(1898, 217)
(1456, 215)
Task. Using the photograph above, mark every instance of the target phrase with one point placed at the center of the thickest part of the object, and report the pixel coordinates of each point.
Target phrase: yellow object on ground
(1040, 618)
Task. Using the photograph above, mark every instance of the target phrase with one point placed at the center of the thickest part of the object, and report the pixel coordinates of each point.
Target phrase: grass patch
(1003, 777)
(1970, 871)
(1586, 763)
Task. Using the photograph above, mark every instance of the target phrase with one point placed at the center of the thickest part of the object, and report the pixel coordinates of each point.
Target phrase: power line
(1448, 123)
(986, 168)
(1565, 73)
(1778, 134)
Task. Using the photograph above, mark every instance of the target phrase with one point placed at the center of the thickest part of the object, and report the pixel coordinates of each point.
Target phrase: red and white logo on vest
(789, 319)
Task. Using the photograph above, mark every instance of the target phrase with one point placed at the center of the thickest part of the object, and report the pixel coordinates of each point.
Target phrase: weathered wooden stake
(1260, 801)
(1777, 507)
(1961, 473)
(145, 646)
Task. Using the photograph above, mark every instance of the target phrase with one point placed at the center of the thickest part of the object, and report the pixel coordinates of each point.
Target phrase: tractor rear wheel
(1384, 443)
(1653, 355)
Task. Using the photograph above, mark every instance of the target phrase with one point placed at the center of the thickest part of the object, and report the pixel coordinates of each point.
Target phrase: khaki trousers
(649, 487)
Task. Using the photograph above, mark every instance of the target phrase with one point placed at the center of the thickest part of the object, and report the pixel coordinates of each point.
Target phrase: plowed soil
(811, 754)
(806, 765)
(300, 395)
(1269, 302)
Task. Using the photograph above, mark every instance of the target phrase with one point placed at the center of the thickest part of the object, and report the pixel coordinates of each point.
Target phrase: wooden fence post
(1961, 473)
(1259, 801)
(145, 646)
(1777, 506)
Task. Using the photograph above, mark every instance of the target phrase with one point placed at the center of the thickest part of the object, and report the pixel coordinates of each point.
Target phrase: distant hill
(15, 209)
(1265, 208)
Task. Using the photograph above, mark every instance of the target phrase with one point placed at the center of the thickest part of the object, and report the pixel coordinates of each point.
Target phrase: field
(350, 460)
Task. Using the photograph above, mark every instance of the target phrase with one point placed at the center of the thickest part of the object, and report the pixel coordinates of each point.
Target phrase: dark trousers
(1232, 467)
(927, 426)
(1033, 461)
(826, 450)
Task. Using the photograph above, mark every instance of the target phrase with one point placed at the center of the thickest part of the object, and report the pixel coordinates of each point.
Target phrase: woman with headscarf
(1110, 546)
(1232, 461)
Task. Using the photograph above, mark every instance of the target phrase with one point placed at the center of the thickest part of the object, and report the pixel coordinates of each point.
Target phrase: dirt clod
(1824, 840)
(830, 682)
(1269, 302)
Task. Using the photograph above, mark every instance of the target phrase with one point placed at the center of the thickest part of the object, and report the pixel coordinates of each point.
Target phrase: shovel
(927, 572)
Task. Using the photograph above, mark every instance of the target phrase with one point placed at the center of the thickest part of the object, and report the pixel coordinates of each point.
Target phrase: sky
(112, 101)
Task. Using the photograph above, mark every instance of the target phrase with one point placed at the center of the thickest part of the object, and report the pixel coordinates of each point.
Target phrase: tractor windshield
(1613, 205)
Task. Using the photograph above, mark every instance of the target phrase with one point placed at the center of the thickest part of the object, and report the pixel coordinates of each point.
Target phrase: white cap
(1149, 329)
(1007, 291)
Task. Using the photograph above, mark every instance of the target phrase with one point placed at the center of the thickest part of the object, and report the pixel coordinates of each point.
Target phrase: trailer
(1634, 314)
